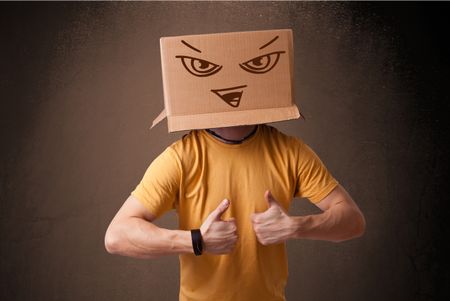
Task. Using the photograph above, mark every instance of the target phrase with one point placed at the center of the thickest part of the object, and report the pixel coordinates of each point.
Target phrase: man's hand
(219, 236)
(273, 225)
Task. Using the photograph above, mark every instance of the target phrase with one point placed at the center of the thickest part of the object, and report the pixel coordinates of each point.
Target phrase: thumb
(270, 199)
(223, 206)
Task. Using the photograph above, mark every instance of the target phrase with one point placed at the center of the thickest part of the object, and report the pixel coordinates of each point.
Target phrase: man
(232, 178)
(254, 267)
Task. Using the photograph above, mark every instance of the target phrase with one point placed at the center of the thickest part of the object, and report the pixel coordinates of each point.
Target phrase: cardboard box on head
(227, 79)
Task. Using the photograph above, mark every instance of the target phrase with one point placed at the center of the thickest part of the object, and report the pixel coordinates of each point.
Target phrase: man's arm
(132, 233)
(340, 220)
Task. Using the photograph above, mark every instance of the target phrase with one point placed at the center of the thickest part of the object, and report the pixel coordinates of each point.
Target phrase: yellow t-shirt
(197, 172)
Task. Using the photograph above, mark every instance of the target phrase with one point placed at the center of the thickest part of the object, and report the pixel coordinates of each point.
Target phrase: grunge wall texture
(81, 82)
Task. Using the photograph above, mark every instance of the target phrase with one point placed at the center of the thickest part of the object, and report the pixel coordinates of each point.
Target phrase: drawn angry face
(200, 67)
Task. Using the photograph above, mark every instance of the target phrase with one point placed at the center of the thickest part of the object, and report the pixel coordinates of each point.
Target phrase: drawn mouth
(232, 96)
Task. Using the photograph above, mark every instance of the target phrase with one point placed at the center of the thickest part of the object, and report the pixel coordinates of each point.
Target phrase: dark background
(80, 84)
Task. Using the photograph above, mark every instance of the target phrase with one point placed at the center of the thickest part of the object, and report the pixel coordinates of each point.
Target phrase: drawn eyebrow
(268, 43)
(190, 46)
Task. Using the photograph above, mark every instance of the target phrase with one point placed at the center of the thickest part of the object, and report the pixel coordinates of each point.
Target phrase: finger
(259, 238)
(258, 218)
(262, 239)
(231, 220)
(230, 227)
(233, 239)
(226, 247)
(254, 217)
(217, 213)
(264, 242)
(269, 198)
(225, 227)
(232, 243)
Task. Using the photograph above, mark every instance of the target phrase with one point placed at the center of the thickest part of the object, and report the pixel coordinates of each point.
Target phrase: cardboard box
(227, 79)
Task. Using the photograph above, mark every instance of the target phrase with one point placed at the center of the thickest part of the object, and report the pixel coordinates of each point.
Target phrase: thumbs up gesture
(273, 225)
(219, 236)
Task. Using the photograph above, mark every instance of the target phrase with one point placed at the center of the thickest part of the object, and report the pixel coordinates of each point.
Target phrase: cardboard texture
(227, 79)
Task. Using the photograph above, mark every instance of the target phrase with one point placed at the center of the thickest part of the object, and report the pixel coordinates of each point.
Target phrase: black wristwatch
(197, 242)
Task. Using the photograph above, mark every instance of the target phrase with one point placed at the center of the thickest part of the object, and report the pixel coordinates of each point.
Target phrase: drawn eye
(263, 63)
(199, 67)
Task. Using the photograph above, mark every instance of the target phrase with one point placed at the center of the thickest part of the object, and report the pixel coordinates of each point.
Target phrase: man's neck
(235, 133)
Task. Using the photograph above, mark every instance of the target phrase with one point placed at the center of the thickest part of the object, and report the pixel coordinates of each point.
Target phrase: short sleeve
(314, 181)
(158, 189)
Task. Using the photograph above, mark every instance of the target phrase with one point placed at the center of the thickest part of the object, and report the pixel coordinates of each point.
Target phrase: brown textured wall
(81, 83)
